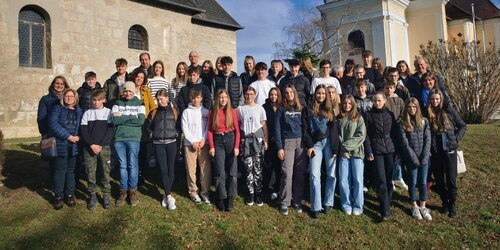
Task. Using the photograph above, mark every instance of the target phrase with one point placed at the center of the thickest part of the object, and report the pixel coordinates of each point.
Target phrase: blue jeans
(418, 178)
(351, 184)
(128, 158)
(322, 149)
(398, 171)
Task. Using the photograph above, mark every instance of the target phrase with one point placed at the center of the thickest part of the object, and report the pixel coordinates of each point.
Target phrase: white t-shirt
(330, 81)
(262, 88)
(250, 117)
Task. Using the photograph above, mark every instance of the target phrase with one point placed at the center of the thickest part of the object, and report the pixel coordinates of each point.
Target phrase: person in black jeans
(381, 130)
(447, 129)
(224, 141)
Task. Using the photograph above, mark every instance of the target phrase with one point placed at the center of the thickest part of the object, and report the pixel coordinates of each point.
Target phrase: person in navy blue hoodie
(57, 86)
(64, 122)
(288, 136)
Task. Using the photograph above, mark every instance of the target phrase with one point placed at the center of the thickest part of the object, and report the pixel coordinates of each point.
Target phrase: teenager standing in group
(352, 133)
(272, 168)
(381, 129)
(224, 141)
(447, 129)
(320, 135)
(288, 136)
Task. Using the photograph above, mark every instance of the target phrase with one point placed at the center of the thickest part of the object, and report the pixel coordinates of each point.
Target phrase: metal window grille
(32, 39)
(137, 38)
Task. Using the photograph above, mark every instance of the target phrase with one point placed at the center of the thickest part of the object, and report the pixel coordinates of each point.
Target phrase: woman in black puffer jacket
(380, 147)
(161, 127)
(447, 129)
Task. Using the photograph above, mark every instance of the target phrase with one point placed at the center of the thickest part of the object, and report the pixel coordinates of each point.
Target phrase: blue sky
(263, 21)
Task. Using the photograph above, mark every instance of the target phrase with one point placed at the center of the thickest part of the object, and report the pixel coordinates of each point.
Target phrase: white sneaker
(365, 190)
(426, 213)
(171, 203)
(274, 196)
(205, 199)
(357, 213)
(196, 199)
(415, 213)
(348, 212)
(393, 187)
(401, 184)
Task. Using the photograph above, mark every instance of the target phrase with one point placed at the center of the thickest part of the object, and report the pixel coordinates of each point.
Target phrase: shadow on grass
(25, 169)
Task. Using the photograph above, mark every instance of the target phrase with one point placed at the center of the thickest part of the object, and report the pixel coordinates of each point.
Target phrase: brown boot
(121, 198)
(133, 197)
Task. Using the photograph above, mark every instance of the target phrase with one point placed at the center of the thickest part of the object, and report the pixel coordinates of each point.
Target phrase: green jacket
(128, 123)
(352, 135)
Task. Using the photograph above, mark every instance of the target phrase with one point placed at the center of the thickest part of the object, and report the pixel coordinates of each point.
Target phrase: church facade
(42, 39)
(394, 29)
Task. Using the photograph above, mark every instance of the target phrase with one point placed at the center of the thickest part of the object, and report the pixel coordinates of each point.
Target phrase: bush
(474, 89)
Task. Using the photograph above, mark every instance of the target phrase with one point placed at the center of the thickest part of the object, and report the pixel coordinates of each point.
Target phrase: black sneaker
(58, 203)
(297, 207)
(258, 199)
(314, 214)
(445, 210)
(229, 205)
(284, 211)
(328, 209)
(249, 199)
(92, 202)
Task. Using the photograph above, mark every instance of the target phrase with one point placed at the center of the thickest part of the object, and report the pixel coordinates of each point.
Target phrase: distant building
(40, 39)
(394, 29)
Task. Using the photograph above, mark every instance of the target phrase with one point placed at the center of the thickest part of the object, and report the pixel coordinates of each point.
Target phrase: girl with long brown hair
(352, 133)
(415, 151)
(320, 135)
(447, 129)
(288, 136)
(224, 141)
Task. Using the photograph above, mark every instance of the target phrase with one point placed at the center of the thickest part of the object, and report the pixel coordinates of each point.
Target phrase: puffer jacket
(416, 144)
(47, 102)
(85, 95)
(58, 122)
(453, 134)
(162, 126)
(381, 132)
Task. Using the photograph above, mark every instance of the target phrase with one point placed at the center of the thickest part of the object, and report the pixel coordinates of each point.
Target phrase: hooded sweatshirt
(132, 116)
(194, 124)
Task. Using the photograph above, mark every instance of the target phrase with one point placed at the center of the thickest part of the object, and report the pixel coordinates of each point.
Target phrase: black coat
(163, 125)
(381, 132)
(453, 134)
(301, 84)
(85, 95)
(183, 98)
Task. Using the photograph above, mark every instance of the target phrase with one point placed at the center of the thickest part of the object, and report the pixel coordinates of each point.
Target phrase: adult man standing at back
(194, 58)
(145, 60)
(415, 83)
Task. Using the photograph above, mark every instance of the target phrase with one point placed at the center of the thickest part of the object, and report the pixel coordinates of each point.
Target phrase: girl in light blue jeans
(352, 133)
(320, 135)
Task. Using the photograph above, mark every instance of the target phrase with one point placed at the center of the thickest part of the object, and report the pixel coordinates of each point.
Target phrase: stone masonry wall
(90, 35)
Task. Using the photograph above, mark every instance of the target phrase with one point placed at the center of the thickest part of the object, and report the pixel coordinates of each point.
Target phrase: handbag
(460, 162)
(48, 148)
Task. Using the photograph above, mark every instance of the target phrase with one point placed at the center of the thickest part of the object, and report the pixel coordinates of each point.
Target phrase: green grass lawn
(28, 221)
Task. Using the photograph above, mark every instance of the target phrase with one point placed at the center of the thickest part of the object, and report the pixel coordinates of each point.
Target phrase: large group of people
(359, 125)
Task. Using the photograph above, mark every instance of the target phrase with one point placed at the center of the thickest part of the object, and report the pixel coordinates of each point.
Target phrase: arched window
(137, 38)
(356, 41)
(34, 37)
